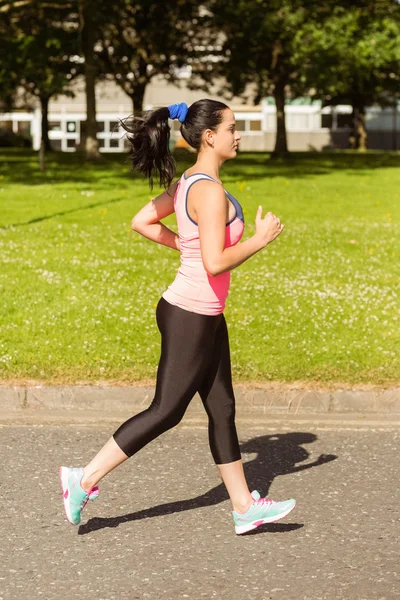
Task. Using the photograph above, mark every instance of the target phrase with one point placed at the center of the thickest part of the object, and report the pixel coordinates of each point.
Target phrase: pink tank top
(193, 288)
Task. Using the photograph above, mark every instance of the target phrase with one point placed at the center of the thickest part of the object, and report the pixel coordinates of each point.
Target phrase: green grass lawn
(79, 288)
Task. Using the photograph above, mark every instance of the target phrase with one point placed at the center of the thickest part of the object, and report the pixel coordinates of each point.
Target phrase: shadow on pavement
(277, 454)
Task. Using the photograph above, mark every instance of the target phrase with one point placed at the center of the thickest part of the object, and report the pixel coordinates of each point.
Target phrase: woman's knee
(222, 414)
(169, 418)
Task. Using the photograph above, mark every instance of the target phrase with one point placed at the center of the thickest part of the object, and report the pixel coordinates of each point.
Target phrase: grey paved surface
(162, 526)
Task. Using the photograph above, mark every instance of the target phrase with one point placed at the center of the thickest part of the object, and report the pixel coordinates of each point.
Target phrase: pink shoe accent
(66, 494)
(257, 523)
(94, 492)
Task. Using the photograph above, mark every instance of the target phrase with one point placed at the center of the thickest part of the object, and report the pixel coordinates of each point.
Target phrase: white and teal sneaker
(263, 510)
(75, 498)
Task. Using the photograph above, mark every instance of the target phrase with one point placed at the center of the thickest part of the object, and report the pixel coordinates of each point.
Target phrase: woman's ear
(209, 137)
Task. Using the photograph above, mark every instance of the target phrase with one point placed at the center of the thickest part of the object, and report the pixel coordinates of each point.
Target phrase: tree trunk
(359, 134)
(44, 107)
(362, 132)
(281, 148)
(44, 136)
(42, 156)
(137, 98)
(88, 38)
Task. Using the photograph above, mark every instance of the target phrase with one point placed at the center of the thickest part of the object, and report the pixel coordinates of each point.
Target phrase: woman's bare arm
(147, 221)
(209, 201)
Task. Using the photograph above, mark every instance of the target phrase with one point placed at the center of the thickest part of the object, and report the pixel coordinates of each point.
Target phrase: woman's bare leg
(109, 457)
(232, 475)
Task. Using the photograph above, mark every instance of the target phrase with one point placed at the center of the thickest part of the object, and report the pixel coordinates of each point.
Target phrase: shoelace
(94, 492)
(265, 500)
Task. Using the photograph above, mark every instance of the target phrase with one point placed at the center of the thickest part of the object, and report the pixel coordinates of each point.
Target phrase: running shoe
(263, 510)
(75, 498)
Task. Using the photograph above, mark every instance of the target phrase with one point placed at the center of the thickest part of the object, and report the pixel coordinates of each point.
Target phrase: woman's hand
(268, 228)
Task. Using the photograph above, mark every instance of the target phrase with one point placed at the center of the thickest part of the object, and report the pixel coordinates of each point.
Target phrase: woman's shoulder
(188, 176)
(206, 195)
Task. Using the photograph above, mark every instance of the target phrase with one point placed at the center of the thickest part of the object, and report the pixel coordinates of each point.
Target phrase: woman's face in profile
(227, 137)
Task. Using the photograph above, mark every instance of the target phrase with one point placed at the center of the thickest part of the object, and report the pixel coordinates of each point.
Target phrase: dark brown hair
(149, 136)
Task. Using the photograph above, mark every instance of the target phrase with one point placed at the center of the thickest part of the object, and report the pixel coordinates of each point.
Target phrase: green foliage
(40, 47)
(140, 40)
(258, 45)
(353, 57)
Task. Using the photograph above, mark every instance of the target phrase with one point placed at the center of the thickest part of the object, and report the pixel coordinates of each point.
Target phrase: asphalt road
(162, 527)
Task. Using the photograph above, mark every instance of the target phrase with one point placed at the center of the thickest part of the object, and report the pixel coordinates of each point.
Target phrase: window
(71, 126)
(114, 143)
(255, 125)
(55, 144)
(101, 143)
(101, 126)
(54, 126)
(241, 125)
(6, 125)
(24, 127)
(344, 120)
(326, 120)
(114, 126)
(382, 120)
(71, 143)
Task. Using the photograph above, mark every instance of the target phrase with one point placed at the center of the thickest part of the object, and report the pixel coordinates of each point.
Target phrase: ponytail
(149, 138)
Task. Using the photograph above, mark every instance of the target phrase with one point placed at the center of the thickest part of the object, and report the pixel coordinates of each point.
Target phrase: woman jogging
(195, 355)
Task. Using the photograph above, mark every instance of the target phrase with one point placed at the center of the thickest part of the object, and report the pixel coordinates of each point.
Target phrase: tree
(353, 58)
(142, 39)
(258, 49)
(42, 45)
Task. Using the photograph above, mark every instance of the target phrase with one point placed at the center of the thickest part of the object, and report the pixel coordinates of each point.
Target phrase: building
(309, 127)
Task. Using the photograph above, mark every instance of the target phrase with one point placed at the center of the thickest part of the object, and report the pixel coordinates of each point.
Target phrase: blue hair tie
(178, 111)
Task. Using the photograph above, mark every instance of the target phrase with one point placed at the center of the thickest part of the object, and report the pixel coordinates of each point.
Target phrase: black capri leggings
(194, 358)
